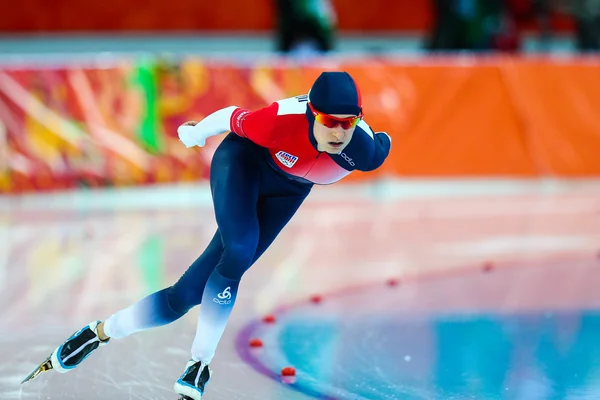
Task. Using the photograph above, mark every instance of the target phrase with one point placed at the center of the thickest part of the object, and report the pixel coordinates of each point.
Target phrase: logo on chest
(286, 159)
(348, 159)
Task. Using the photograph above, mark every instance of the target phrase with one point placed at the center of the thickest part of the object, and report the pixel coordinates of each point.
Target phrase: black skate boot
(72, 352)
(193, 381)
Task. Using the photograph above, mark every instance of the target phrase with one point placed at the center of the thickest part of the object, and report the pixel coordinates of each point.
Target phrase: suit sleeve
(383, 143)
(258, 126)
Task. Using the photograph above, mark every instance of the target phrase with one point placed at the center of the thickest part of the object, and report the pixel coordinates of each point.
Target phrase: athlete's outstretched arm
(258, 126)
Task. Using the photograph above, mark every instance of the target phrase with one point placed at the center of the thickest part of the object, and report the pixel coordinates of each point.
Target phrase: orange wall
(204, 15)
(495, 117)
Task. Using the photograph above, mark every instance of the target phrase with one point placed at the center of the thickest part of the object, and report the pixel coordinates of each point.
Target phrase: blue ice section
(538, 355)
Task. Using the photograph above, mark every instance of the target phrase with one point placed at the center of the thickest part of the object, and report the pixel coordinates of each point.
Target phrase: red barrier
(202, 15)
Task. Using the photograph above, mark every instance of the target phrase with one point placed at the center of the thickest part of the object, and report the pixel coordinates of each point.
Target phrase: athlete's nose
(338, 133)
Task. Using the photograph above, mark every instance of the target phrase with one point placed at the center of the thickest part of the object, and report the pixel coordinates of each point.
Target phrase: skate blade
(185, 398)
(43, 367)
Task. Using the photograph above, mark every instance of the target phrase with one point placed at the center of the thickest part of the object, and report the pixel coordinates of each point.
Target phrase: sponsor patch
(286, 159)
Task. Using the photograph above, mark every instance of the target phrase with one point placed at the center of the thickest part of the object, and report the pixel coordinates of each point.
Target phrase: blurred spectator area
(393, 24)
(374, 16)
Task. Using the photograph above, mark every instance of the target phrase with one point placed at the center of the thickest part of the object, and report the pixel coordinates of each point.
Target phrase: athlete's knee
(184, 295)
(177, 302)
(237, 258)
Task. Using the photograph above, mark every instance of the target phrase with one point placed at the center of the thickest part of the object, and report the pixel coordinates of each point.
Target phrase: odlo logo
(224, 297)
(345, 157)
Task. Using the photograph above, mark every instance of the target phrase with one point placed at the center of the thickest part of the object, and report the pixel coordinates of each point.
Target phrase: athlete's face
(333, 140)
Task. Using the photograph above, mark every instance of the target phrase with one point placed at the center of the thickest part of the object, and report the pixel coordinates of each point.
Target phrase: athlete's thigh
(235, 185)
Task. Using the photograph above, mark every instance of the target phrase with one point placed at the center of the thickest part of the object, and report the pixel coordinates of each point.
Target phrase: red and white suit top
(285, 129)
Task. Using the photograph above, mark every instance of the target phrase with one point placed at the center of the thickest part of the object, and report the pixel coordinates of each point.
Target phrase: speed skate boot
(77, 348)
(72, 352)
(193, 381)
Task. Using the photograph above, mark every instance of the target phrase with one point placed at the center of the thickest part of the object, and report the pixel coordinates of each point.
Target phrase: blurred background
(481, 231)
(91, 94)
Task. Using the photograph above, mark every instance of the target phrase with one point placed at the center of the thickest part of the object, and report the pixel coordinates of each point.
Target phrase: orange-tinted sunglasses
(331, 121)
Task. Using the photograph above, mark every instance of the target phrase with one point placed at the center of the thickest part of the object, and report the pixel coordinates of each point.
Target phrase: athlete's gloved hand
(191, 135)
